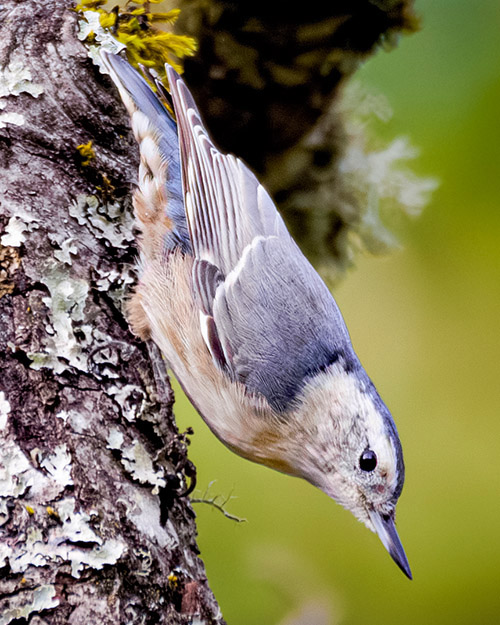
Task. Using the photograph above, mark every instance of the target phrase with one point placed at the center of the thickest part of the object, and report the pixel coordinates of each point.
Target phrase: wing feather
(277, 322)
(267, 318)
(227, 207)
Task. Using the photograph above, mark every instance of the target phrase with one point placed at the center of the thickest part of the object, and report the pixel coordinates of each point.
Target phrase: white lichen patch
(14, 471)
(15, 119)
(66, 342)
(115, 439)
(15, 79)
(16, 476)
(130, 398)
(4, 410)
(43, 598)
(73, 541)
(76, 420)
(58, 465)
(17, 225)
(90, 25)
(19, 478)
(14, 232)
(145, 515)
(62, 414)
(115, 283)
(139, 464)
(75, 525)
(106, 221)
(66, 304)
(102, 555)
(68, 247)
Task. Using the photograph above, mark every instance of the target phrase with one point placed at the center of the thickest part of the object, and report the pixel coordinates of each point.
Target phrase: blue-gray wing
(277, 322)
(226, 206)
(267, 317)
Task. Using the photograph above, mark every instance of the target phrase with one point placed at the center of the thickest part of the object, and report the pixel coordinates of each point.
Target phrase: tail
(158, 201)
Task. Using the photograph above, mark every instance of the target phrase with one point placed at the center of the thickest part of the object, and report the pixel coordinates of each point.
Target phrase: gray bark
(93, 524)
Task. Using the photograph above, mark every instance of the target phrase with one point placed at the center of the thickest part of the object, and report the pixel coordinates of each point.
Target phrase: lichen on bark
(92, 528)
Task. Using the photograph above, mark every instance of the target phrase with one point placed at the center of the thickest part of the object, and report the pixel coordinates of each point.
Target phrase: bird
(246, 324)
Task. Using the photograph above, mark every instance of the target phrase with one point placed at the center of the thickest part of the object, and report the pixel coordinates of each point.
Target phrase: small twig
(213, 501)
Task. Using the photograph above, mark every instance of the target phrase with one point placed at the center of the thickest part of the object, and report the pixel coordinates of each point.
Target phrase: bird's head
(354, 454)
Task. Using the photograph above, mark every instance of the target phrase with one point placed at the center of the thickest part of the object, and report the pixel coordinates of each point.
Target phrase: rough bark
(93, 524)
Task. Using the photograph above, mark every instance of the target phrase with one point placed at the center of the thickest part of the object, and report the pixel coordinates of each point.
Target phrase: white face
(367, 476)
(350, 449)
(353, 455)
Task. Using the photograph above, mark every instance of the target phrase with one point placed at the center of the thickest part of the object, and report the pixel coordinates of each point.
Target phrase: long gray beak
(386, 530)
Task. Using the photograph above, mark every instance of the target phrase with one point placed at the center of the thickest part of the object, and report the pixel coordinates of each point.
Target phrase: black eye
(368, 460)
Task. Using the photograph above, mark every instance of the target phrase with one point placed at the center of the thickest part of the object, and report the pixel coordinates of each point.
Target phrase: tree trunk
(93, 524)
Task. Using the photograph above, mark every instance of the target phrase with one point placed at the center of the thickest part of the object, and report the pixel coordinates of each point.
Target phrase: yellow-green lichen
(173, 580)
(136, 29)
(86, 152)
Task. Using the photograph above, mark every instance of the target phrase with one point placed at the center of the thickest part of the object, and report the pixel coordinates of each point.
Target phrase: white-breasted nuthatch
(250, 330)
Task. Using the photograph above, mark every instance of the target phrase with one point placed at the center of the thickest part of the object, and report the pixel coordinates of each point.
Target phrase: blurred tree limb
(269, 78)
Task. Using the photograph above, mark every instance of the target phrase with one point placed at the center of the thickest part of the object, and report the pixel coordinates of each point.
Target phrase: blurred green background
(425, 323)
